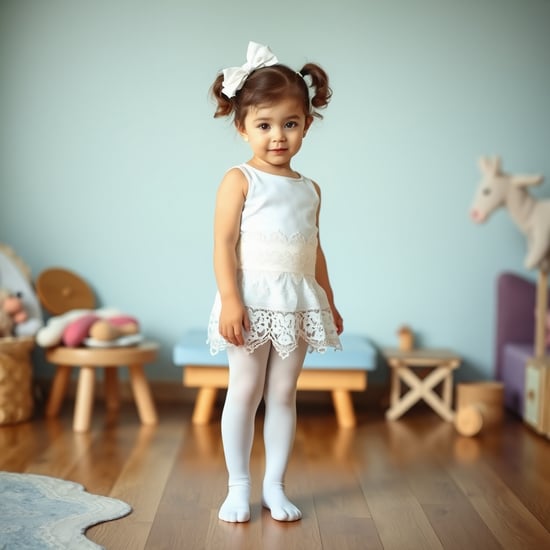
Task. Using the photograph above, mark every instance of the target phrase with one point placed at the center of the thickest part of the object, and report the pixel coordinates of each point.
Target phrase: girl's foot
(275, 500)
(236, 507)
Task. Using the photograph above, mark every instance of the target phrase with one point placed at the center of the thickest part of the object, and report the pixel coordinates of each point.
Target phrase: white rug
(40, 512)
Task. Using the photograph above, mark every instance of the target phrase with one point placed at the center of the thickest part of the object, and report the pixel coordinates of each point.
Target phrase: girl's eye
(264, 126)
(291, 124)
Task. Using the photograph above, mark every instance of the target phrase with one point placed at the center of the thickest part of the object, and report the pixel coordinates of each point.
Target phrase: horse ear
(524, 180)
(489, 166)
(484, 165)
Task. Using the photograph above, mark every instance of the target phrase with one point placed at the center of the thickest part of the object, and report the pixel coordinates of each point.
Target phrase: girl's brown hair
(268, 85)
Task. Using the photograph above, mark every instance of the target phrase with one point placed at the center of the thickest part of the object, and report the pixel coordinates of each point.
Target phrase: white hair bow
(257, 56)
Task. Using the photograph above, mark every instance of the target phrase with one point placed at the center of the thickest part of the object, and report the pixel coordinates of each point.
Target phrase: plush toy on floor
(12, 312)
(20, 314)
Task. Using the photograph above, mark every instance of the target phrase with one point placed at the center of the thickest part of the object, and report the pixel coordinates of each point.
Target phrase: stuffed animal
(532, 216)
(96, 328)
(12, 312)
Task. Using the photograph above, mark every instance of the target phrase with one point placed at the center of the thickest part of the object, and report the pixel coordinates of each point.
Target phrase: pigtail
(319, 84)
(224, 105)
(270, 84)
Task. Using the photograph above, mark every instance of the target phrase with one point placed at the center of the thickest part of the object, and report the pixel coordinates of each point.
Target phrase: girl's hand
(233, 319)
(338, 321)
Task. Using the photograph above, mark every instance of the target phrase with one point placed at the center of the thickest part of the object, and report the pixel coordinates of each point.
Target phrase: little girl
(274, 299)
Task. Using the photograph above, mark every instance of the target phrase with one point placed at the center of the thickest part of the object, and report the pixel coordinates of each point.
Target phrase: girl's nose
(278, 134)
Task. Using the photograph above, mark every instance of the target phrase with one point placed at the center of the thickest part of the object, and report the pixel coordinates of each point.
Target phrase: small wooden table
(403, 363)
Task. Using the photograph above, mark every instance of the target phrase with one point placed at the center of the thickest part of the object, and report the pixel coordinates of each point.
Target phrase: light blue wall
(110, 157)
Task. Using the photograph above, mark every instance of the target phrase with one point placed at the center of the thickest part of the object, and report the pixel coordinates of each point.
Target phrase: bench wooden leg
(84, 399)
(204, 405)
(142, 395)
(343, 405)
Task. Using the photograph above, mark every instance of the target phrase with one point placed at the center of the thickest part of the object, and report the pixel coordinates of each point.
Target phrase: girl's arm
(229, 204)
(321, 274)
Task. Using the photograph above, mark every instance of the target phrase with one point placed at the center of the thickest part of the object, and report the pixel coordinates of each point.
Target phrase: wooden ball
(468, 420)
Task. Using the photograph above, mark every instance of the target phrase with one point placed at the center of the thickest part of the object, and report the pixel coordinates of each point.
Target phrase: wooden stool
(443, 362)
(60, 291)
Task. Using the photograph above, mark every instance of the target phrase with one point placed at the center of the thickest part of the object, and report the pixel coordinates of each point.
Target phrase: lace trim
(283, 329)
(277, 252)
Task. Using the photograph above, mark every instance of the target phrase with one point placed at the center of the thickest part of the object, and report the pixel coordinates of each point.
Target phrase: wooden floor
(408, 484)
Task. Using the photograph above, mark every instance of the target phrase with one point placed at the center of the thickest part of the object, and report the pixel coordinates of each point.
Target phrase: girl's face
(275, 133)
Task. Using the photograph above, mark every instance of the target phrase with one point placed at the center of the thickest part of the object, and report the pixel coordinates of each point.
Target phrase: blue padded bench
(339, 372)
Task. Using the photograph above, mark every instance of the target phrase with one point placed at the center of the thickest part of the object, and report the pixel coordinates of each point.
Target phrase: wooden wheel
(61, 290)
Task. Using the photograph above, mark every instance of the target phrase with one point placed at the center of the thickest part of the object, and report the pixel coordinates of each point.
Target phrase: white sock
(236, 506)
(276, 501)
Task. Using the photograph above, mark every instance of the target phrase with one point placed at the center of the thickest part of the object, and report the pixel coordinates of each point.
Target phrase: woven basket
(16, 400)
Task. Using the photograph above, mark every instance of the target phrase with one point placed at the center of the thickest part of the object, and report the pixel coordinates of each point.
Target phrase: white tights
(251, 376)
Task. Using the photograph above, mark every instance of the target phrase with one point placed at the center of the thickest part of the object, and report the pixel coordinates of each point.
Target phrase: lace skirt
(282, 308)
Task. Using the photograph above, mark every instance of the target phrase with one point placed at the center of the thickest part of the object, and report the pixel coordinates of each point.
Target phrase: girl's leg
(279, 429)
(245, 388)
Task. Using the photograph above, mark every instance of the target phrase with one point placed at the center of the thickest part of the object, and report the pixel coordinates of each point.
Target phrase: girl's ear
(309, 120)
(241, 131)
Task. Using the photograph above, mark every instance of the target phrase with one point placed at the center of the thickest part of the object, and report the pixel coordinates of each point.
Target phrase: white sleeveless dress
(276, 255)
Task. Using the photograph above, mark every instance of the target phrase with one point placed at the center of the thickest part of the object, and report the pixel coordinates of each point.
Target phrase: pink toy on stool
(92, 328)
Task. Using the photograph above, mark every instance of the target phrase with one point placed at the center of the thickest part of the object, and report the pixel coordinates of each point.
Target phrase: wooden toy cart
(537, 369)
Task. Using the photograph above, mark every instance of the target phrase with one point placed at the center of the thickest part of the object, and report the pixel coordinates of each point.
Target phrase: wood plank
(505, 515)
(150, 458)
(189, 505)
(343, 517)
(116, 438)
(412, 483)
(20, 444)
(520, 457)
(62, 455)
(384, 470)
(399, 517)
(449, 511)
